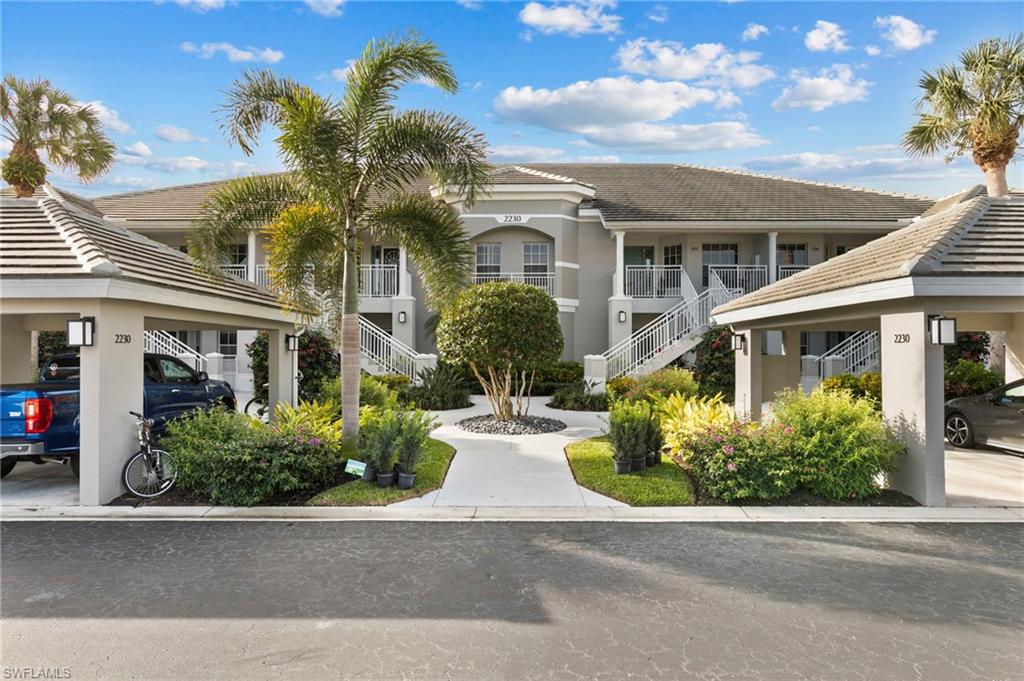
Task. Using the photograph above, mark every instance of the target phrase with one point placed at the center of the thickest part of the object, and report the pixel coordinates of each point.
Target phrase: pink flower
(731, 466)
(728, 449)
(315, 441)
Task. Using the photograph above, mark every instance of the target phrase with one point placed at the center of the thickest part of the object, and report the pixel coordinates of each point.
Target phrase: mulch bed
(524, 425)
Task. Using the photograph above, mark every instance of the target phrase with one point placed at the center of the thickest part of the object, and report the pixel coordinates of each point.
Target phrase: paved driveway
(494, 601)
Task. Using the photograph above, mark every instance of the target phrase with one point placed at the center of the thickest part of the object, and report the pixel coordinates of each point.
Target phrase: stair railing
(860, 352)
(164, 343)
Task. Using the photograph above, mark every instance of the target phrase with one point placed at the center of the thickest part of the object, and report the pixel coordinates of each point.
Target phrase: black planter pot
(622, 467)
(638, 465)
(653, 459)
(369, 475)
(386, 479)
(406, 480)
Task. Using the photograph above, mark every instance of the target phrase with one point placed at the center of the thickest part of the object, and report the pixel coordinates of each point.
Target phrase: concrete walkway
(513, 470)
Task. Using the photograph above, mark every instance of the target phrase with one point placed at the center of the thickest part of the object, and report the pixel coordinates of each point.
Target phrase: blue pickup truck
(39, 421)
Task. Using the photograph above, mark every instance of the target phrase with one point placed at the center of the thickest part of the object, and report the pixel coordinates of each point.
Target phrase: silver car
(995, 418)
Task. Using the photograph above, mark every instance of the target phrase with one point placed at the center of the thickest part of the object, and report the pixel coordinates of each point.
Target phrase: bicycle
(256, 408)
(150, 472)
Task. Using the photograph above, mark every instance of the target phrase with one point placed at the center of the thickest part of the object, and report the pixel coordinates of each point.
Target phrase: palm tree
(976, 106)
(349, 163)
(39, 118)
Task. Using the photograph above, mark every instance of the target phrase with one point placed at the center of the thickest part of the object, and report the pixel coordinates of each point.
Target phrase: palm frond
(253, 102)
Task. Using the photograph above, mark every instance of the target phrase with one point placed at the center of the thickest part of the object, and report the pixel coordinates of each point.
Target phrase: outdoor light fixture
(401, 317)
(622, 316)
(291, 342)
(942, 330)
(81, 332)
(738, 341)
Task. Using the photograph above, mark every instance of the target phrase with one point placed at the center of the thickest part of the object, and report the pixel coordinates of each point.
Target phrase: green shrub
(318, 362)
(441, 387)
(24, 171)
(971, 346)
(847, 382)
(310, 420)
(617, 388)
(233, 460)
(742, 461)
(841, 443)
(371, 393)
(966, 378)
(868, 384)
(633, 430)
(551, 378)
(662, 383)
(577, 397)
(683, 417)
(394, 382)
(51, 343)
(414, 431)
(378, 433)
(715, 363)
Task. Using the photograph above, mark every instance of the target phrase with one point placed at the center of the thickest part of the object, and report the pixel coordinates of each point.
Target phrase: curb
(720, 514)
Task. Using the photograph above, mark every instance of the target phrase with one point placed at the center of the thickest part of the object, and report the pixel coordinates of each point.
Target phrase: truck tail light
(38, 415)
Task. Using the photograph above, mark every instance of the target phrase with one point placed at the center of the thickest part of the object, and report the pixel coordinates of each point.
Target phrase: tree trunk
(350, 351)
(995, 180)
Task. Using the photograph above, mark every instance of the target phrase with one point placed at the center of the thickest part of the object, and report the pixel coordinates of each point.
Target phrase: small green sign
(355, 467)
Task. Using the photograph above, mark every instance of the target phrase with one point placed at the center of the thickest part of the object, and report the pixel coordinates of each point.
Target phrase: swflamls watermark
(35, 672)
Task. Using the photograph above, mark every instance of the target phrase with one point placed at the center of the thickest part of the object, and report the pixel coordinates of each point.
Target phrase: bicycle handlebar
(136, 415)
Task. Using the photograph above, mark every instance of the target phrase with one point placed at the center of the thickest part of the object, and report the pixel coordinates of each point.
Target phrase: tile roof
(974, 236)
(625, 192)
(57, 234)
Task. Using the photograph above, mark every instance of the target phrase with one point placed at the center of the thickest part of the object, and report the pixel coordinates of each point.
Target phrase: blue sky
(820, 91)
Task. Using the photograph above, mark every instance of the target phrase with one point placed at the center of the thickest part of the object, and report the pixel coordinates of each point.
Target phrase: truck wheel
(74, 465)
(6, 467)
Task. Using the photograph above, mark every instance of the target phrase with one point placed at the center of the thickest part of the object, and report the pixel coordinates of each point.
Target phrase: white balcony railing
(790, 270)
(378, 281)
(542, 280)
(240, 271)
(658, 281)
(744, 278)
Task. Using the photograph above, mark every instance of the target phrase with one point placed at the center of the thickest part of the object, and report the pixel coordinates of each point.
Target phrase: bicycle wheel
(148, 476)
(255, 409)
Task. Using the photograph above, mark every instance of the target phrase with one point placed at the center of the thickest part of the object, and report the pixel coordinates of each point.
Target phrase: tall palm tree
(976, 106)
(39, 118)
(349, 162)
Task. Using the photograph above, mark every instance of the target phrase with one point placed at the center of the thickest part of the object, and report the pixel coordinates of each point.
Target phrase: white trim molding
(567, 265)
(567, 304)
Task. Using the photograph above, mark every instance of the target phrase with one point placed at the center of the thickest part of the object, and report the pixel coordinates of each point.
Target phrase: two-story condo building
(620, 247)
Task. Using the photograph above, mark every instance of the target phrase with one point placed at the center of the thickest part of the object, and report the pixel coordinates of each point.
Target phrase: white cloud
(131, 182)
(599, 158)
(830, 86)
(904, 34)
(108, 117)
(658, 14)
(575, 18)
(201, 6)
(172, 133)
(872, 50)
(679, 137)
(234, 54)
(326, 8)
(521, 153)
(846, 166)
(138, 149)
(470, 4)
(753, 32)
(605, 101)
(710, 63)
(185, 164)
(826, 36)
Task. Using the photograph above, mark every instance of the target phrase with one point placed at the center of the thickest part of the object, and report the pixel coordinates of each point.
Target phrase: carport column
(912, 404)
(791, 351)
(16, 345)
(282, 370)
(111, 386)
(748, 376)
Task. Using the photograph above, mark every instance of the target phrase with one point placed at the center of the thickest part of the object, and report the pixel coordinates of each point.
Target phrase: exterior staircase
(855, 355)
(381, 353)
(163, 343)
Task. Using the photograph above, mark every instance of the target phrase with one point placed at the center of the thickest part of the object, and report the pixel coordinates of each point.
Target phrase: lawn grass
(663, 485)
(429, 476)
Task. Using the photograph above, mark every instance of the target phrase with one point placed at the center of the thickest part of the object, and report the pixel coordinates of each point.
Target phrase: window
(1014, 395)
(718, 254)
(238, 254)
(175, 372)
(488, 259)
(674, 255)
(535, 258)
(227, 342)
(791, 254)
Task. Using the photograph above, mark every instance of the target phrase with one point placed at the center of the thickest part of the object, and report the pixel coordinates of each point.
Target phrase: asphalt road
(480, 601)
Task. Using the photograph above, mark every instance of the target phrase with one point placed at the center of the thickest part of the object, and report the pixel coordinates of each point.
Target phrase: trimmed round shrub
(967, 378)
(742, 462)
(662, 383)
(618, 387)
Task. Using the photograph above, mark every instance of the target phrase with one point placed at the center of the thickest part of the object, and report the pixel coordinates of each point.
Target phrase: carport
(60, 260)
(962, 260)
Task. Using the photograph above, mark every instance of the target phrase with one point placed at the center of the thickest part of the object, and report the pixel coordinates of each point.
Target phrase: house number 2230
(901, 338)
(122, 338)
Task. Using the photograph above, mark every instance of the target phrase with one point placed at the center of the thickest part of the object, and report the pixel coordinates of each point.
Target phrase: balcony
(657, 281)
(542, 280)
(378, 281)
(790, 270)
(240, 271)
(744, 278)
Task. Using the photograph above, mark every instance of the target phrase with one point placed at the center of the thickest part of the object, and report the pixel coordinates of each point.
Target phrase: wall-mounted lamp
(81, 332)
(401, 317)
(291, 343)
(739, 341)
(942, 330)
(622, 316)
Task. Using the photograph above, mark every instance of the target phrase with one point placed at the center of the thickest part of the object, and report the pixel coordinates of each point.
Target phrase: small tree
(504, 332)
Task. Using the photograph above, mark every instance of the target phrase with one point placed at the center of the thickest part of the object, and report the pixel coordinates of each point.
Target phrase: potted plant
(654, 440)
(639, 462)
(622, 461)
(414, 432)
(378, 444)
(627, 429)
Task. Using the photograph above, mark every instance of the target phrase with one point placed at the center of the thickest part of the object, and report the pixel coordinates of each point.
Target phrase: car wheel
(6, 467)
(958, 431)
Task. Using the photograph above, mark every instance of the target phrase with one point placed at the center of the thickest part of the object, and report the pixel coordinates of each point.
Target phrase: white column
(281, 369)
(748, 377)
(620, 264)
(110, 387)
(16, 343)
(912, 403)
(250, 272)
(403, 273)
(773, 256)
